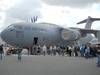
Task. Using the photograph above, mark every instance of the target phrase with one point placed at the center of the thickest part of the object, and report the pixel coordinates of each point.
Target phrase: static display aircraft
(26, 35)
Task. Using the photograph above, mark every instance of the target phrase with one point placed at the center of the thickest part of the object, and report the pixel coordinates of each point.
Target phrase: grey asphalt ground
(48, 65)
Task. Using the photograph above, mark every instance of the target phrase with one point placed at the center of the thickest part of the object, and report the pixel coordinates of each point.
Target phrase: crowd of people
(52, 50)
(87, 51)
(84, 50)
(79, 50)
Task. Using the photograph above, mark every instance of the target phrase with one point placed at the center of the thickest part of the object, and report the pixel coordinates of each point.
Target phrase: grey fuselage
(25, 34)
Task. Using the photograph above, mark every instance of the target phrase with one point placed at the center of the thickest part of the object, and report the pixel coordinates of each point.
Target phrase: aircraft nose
(4, 35)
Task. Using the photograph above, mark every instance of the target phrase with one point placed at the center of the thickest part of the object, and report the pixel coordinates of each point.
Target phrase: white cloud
(72, 3)
(62, 14)
(2, 17)
(6, 4)
(25, 9)
(18, 10)
(67, 16)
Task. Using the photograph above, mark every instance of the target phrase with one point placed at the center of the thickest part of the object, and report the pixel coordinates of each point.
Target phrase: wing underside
(88, 31)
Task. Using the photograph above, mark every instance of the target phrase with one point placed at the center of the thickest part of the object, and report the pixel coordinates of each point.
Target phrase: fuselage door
(35, 42)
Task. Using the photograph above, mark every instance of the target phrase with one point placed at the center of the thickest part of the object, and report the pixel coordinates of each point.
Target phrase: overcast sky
(65, 13)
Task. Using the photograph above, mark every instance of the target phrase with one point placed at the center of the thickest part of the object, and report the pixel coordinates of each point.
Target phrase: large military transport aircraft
(25, 35)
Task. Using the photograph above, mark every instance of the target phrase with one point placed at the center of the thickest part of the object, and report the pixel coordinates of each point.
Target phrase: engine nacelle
(69, 34)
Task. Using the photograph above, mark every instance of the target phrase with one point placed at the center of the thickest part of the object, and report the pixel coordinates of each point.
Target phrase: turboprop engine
(69, 34)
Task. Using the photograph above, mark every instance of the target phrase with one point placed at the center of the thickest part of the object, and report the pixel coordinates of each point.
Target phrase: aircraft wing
(86, 31)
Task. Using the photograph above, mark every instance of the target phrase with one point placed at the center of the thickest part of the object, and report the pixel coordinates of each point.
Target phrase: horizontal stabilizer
(95, 19)
(84, 21)
(89, 22)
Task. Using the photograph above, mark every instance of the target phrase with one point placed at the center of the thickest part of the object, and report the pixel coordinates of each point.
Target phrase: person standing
(19, 54)
(76, 49)
(87, 52)
(98, 56)
(51, 50)
(82, 50)
(69, 50)
(54, 50)
(1, 51)
(44, 48)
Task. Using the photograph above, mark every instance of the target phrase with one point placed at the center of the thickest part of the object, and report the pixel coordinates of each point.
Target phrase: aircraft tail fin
(34, 19)
(89, 22)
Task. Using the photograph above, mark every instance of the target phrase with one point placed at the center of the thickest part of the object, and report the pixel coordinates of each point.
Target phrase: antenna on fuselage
(89, 22)
(34, 19)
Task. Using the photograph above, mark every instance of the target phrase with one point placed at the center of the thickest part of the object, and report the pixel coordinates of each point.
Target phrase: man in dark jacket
(1, 51)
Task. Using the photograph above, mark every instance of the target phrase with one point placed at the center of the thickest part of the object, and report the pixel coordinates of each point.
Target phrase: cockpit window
(18, 27)
(10, 26)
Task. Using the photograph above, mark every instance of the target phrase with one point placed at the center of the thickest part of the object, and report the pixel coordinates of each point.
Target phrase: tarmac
(48, 65)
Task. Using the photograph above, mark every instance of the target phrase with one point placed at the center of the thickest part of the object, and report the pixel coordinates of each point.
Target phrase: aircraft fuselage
(29, 34)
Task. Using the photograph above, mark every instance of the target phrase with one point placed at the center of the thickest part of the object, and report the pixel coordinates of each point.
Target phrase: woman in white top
(44, 48)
